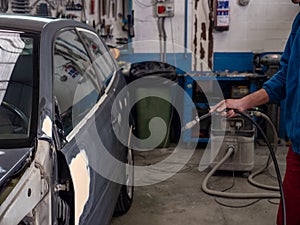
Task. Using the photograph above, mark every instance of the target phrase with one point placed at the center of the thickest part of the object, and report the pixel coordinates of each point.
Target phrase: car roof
(32, 23)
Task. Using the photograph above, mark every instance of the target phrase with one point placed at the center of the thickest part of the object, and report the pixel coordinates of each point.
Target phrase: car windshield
(16, 87)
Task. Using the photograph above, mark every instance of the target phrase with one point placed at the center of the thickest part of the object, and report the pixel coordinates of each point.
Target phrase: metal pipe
(185, 26)
(162, 39)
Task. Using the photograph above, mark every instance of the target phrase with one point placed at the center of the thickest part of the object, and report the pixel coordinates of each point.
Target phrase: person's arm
(276, 86)
(255, 99)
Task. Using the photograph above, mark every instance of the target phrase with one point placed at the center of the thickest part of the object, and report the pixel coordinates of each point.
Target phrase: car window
(16, 85)
(76, 85)
(102, 60)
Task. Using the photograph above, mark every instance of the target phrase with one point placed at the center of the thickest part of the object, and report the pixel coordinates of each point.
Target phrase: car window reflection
(101, 57)
(76, 85)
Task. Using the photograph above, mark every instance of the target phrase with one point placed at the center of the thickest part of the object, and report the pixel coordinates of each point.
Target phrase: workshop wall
(147, 35)
(146, 45)
(260, 26)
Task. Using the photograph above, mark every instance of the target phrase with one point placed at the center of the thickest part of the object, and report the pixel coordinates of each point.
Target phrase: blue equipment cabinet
(208, 90)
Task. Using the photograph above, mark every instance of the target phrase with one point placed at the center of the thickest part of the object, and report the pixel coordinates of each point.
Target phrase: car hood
(11, 162)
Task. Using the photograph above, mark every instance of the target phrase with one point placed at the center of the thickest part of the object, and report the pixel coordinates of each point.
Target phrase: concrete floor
(181, 201)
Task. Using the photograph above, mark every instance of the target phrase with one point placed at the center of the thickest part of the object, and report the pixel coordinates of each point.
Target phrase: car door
(84, 106)
(114, 82)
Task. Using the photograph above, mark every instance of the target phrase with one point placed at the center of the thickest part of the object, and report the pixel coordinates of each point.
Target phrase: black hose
(189, 125)
(272, 153)
(251, 180)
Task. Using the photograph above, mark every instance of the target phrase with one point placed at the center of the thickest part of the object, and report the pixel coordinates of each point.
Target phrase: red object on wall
(161, 9)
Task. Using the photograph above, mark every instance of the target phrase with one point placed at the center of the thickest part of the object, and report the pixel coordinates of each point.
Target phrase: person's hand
(230, 104)
(254, 99)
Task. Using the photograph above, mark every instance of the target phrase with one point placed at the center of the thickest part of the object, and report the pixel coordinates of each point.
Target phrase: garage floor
(181, 201)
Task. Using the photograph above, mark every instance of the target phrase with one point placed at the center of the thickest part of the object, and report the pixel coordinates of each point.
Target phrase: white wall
(262, 26)
(147, 39)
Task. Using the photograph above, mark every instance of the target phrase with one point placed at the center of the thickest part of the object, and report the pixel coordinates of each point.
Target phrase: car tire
(126, 193)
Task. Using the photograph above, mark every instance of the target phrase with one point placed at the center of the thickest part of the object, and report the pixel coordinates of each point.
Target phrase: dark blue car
(61, 161)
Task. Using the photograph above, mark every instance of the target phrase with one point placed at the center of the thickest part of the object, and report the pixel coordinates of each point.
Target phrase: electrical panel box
(164, 8)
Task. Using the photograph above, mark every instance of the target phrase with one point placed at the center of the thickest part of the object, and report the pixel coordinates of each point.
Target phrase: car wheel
(126, 194)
